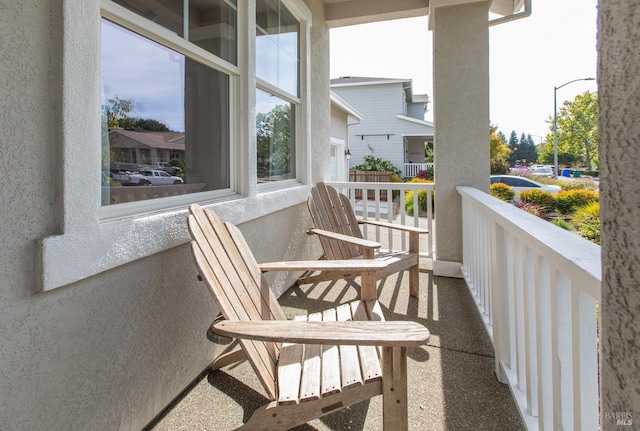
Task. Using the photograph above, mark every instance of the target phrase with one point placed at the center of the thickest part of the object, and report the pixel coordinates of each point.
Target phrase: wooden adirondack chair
(315, 364)
(336, 224)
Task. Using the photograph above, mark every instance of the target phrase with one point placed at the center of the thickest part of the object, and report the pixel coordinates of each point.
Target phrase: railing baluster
(542, 288)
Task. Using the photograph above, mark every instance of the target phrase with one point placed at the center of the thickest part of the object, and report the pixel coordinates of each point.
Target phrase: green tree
(577, 129)
(513, 147)
(117, 112)
(527, 149)
(274, 141)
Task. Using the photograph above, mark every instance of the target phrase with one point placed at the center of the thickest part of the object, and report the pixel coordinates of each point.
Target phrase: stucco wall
(619, 137)
(111, 351)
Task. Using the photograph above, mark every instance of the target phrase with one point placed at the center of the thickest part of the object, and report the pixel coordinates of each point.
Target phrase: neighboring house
(145, 147)
(393, 127)
(343, 117)
(102, 317)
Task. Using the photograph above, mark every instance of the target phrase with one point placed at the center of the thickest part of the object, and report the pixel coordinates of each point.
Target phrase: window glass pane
(277, 34)
(165, 121)
(212, 24)
(275, 122)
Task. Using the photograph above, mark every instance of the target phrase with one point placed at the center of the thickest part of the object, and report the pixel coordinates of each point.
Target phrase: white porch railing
(412, 169)
(387, 202)
(537, 288)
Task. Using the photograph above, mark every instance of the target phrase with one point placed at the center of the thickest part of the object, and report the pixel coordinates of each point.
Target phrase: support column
(461, 119)
(619, 139)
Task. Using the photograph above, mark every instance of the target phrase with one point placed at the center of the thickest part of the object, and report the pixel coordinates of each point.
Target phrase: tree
(117, 112)
(577, 130)
(498, 151)
(513, 146)
(527, 150)
(274, 141)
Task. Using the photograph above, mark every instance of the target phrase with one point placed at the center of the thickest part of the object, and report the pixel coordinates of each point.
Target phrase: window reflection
(276, 146)
(162, 114)
(212, 24)
(277, 34)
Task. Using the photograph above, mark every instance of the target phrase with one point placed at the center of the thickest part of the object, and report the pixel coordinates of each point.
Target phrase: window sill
(85, 251)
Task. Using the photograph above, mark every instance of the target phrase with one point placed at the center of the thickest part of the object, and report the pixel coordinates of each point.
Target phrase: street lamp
(555, 123)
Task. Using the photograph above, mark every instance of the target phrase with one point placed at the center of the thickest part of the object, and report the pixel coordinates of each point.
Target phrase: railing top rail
(381, 186)
(575, 255)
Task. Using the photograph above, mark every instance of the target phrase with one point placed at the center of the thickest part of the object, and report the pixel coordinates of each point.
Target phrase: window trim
(92, 241)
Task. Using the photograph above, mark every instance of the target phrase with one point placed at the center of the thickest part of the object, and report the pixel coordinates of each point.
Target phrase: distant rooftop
(346, 80)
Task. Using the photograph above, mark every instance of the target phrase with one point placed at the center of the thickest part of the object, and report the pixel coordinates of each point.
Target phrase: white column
(461, 116)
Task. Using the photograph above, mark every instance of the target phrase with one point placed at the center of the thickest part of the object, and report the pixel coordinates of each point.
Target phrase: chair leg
(414, 281)
(394, 389)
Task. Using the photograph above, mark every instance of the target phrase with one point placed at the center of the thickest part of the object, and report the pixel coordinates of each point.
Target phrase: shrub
(578, 185)
(563, 224)
(425, 174)
(377, 164)
(531, 208)
(422, 197)
(539, 197)
(502, 192)
(567, 201)
(586, 222)
(499, 167)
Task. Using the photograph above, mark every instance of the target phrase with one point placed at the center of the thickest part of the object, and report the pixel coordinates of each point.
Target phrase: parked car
(157, 178)
(542, 171)
(124, 177)
(519, 184)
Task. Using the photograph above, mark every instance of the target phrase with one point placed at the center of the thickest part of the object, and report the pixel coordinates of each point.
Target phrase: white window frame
(94, 239)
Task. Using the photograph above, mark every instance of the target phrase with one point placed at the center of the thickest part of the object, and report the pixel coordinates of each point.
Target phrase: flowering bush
(502, 192)
(568, 201)
(422, 197)
(538, 197)
(425, 174)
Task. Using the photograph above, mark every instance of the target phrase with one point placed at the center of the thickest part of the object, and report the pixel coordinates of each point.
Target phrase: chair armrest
(346, 238)
(355, 265)
(364, 333)
(394, 226)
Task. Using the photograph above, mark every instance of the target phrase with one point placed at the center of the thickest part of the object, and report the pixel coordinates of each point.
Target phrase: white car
(154, 177)
(542, 171)
(519, 184)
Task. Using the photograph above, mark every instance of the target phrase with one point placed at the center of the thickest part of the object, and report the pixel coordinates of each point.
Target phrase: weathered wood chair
(312, 365)
(338, 228)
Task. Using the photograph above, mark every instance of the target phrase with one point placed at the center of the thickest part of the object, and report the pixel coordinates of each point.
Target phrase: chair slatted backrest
(229, 269)
(333, 212)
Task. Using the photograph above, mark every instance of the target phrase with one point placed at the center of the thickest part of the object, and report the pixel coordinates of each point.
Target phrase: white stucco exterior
(111, 346)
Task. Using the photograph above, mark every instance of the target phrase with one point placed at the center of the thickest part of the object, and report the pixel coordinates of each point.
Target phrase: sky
(528, 58)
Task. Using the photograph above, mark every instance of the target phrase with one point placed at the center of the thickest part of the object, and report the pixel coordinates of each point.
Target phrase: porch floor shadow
(452, 384)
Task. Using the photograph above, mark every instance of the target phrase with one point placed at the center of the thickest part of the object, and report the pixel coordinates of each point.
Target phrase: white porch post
(461, 116)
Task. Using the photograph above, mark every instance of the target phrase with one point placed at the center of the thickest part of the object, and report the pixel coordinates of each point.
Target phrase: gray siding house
(393, 127)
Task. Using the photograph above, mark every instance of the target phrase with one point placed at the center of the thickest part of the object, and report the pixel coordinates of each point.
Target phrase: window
(156, 99)
(201, 106)
(277, 75)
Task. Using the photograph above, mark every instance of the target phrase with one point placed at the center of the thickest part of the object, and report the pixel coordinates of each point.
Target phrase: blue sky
(528, 58)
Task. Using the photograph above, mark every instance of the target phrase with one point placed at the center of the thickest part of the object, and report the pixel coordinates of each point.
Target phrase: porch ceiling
(340, 13)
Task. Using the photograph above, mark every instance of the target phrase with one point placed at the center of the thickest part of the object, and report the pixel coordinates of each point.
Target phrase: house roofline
(414, 120)
(341, 104)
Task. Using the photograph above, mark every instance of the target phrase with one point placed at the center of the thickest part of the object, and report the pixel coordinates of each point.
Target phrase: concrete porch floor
(452, 384)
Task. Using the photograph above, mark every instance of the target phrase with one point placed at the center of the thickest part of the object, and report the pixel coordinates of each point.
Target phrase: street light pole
(555, 123)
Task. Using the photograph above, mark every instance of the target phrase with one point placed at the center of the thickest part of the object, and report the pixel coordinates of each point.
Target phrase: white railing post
(379, 209)
(544, 287)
